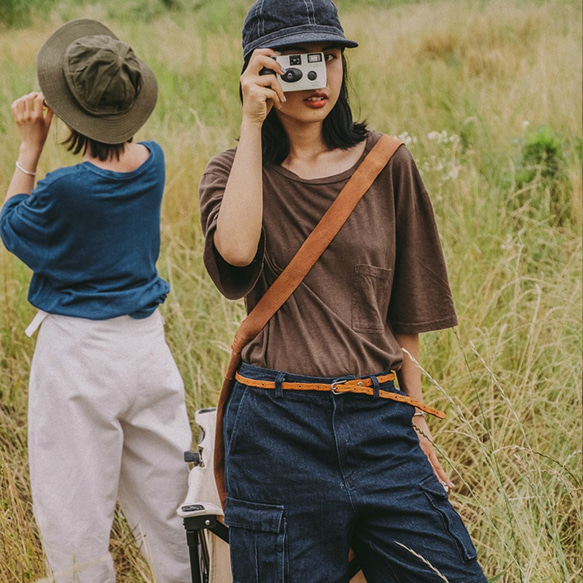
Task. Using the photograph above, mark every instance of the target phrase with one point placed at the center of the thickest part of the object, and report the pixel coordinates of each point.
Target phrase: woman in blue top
(107, 416)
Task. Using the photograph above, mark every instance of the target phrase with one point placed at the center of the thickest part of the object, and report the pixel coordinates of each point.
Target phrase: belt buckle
(334, 386)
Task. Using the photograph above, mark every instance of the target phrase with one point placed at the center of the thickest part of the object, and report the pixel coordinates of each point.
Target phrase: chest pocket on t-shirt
(371, 292)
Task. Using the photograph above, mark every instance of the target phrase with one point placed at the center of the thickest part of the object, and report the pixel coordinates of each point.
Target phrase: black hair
(339, 130)
(77, 142)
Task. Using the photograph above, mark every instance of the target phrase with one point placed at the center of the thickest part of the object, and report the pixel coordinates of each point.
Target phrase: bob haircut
(339, 130)
(77, 142)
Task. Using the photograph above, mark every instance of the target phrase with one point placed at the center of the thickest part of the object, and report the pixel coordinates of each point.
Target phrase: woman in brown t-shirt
(312, 473)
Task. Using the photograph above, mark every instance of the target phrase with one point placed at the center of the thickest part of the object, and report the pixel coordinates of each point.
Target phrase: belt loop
(375, 386)
(278, 386)
(36, 322)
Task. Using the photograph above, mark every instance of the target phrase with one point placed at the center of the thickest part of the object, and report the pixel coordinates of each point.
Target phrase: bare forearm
(410, 383)
(409, 375)
(240, 218)
(23, 183)
(33, 120)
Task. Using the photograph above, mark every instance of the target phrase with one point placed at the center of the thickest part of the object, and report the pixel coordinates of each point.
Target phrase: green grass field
(487, 94)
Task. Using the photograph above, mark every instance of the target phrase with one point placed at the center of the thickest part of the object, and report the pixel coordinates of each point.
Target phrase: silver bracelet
(419, 414)
(17, 163)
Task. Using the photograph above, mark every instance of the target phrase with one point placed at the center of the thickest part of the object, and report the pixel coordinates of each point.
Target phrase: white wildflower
(508, 243)
(407, 139)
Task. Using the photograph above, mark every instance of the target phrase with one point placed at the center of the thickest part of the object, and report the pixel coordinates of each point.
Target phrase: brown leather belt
(362, 386)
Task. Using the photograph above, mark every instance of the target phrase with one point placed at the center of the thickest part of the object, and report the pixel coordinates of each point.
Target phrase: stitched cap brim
(296, 36)
(112, 129)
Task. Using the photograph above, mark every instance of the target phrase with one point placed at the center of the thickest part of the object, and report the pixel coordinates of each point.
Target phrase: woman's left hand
(426, 443)
(410, 382)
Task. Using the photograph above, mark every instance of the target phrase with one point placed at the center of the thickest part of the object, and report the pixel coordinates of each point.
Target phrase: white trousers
(107, 421)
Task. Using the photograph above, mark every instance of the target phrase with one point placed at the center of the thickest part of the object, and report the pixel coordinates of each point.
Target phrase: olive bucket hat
(279, 23)
(94, 82)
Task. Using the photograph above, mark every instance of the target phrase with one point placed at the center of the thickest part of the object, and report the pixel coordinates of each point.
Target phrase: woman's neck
(309, 156)
(132, 157)
(306, 145)
(305, 139)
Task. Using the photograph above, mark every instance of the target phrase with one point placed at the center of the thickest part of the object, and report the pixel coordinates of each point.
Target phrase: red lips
(316, 100)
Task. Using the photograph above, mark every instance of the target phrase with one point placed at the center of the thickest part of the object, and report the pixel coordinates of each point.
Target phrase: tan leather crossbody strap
(317, 242)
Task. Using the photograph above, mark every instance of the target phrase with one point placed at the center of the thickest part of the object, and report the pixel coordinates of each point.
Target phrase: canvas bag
(204, 496)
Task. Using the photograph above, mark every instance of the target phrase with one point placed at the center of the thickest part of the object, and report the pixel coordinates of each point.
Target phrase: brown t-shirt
(384, 273)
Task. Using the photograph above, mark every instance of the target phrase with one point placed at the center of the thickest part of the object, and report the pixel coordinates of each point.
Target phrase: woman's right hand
(239, 222)
(261, 92)
(33, 119)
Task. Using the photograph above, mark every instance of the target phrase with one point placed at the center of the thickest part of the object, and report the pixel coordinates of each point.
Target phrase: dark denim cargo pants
(310, 475)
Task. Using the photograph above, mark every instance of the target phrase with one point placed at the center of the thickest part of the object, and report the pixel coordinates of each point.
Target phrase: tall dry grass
(467, 85)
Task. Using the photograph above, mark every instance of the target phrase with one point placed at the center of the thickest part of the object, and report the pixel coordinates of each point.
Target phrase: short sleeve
(233, 282)
(26, 228)
(421, 298)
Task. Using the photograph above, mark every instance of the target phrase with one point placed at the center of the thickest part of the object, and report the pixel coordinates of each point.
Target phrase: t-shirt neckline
(370, 140)
(124, 175)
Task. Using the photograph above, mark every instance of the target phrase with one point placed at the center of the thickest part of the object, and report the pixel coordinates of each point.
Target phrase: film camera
(303, 71)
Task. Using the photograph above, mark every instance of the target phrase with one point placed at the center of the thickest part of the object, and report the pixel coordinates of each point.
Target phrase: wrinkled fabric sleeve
(421, 298)
(26, 228)
(233, 282)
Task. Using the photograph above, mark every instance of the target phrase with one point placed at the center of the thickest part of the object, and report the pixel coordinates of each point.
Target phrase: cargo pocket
(257, 536)
(451, 520)
(371, 287)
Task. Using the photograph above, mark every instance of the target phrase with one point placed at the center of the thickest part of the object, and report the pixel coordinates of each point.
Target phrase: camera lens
(292, 75)
(312, 75)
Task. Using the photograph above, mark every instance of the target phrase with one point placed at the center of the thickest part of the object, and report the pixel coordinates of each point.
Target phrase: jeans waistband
(368, 385)
(266, 374)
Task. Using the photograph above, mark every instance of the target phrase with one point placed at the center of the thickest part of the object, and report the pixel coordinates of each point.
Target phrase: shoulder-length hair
(339, 130)
(77, 142)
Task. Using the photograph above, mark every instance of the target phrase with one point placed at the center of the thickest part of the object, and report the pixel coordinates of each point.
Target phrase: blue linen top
(92, 238)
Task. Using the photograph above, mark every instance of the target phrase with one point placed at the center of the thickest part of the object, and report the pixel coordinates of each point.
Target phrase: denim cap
(278, 23)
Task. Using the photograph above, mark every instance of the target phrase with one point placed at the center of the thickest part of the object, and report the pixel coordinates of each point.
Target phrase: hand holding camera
(259, 93)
